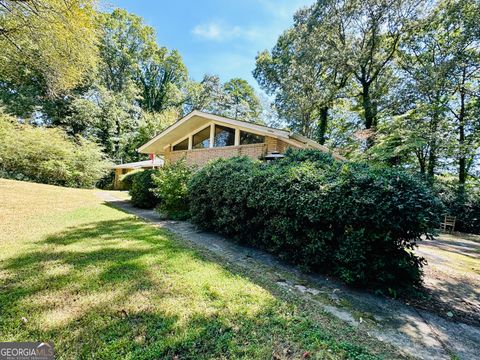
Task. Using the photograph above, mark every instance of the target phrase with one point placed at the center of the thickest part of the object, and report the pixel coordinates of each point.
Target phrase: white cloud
(217, 31)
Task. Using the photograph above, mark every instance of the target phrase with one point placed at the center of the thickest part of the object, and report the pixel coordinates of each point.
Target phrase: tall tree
(206, 95)
(48, 48)
(459, 24)
(363, 37)
(240, 101)
(440, 61)
(302, 76)
(109, 117)
(130, 54)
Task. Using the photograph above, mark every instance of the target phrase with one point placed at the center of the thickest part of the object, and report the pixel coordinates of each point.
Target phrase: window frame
(251, 133)
(225, 127)
(179, 142)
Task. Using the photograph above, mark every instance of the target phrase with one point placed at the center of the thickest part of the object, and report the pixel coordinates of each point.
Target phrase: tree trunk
(369, 111)
(462, 161)
(322, 125)
(118, 130)
(432, 160)
(432, 151)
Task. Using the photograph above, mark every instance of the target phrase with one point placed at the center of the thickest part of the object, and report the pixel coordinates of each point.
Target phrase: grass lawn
(100, 283)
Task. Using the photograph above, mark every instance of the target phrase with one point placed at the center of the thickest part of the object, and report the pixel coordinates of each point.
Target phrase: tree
(440, 62)
(109, 117)
(301, 75)
(150, 125)
(130, 54)
(52, 43)
(162, 77)
(459, 24)
(363, 37)
(240, 101)
(206, 95)
(236, 98)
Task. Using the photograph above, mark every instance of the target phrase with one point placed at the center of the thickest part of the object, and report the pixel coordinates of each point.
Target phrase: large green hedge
(350, 220)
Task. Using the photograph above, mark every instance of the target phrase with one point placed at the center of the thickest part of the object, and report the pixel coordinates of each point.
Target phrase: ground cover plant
(100, 283)
(354, 221)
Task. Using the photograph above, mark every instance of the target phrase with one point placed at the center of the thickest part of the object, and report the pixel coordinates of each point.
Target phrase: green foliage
(130, 54)
(240, 101)
(355, 221)
(126, 180)
(235, 99)
(48, 156)
(106, 182)
(141, 189)
(171, 189)
(463, 202)
(49, 44)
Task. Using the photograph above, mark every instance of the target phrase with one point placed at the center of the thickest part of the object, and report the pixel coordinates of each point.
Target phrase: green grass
(100, 283)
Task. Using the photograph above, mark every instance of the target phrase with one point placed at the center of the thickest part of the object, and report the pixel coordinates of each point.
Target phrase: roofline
(141, 163)
(284, 134)
(218, 118)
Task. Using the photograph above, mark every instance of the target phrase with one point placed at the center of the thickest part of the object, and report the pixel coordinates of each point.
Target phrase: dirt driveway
(452, 276)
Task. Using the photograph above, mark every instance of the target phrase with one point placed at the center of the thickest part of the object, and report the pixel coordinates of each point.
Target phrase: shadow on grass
(122, 288)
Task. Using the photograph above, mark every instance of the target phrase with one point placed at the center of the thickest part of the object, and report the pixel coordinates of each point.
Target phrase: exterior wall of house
(118, 174)
(202, 156)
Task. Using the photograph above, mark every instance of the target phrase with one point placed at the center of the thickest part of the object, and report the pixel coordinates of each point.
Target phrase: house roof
(197, 119)
(140, 164)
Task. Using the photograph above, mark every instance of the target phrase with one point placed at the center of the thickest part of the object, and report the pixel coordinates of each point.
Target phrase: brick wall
(202, 156)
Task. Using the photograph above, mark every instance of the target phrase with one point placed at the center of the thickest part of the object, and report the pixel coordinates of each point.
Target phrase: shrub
(106, 182)
(141, 190)
(354, 221)
(48, 155)
(127, 179)
(171, 189)
(463, 202)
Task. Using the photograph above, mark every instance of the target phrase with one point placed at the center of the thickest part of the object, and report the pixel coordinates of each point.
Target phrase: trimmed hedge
(351, 220)
(126, 180)
(141, 189)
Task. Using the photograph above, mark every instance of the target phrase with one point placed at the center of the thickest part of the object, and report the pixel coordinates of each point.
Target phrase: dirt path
(452, 276)
(418, 333)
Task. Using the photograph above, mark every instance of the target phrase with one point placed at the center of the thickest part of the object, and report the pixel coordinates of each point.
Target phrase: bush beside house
(126, 180)
(171, 189)
(351, 220)
(141, 189)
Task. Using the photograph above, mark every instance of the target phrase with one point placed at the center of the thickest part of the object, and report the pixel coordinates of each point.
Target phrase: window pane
(181, 145)
(201, 139)
(249, 138)
(224, 136)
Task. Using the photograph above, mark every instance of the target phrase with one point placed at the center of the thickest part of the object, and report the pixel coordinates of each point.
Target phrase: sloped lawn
(100, 283)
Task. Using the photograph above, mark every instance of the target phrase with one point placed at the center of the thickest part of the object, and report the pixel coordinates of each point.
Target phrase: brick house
(200, 137)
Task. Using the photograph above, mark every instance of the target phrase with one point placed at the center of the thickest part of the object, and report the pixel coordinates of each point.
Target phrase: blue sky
(214, 36)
